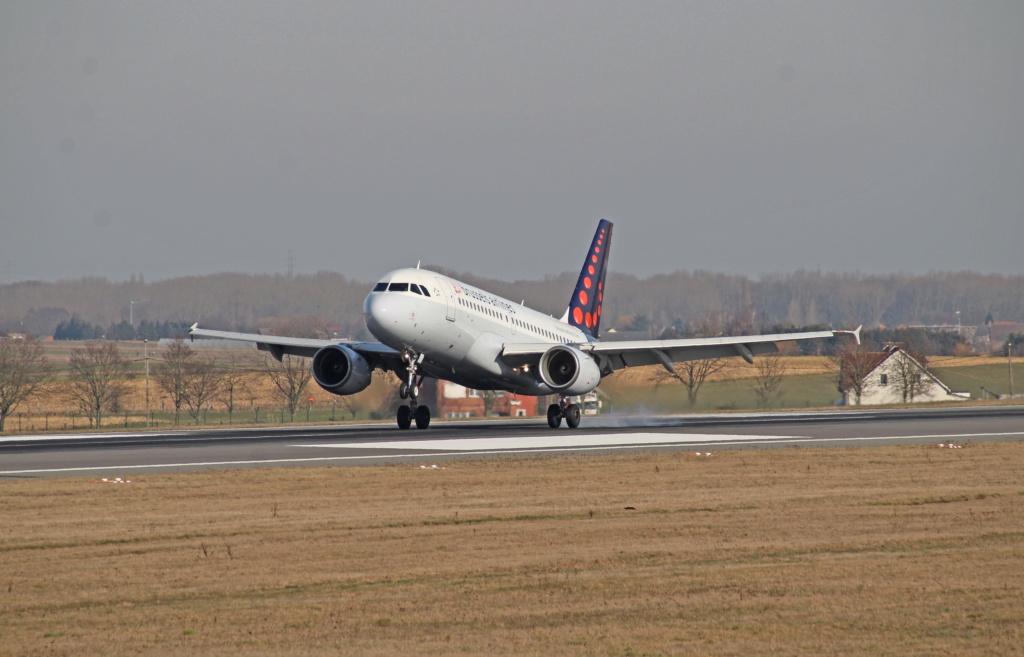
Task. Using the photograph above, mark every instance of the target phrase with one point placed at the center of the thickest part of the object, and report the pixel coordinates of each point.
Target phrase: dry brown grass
(869, 551)
(735, 368)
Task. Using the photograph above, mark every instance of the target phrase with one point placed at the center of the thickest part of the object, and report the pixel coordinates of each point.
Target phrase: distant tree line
(76, 328)
(247, 302)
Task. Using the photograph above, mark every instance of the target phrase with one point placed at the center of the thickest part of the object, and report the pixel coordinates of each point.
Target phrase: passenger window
(380, 287)
(398, 287)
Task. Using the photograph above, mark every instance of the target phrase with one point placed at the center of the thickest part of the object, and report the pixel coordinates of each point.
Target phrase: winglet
(584, 311)
(855, 333)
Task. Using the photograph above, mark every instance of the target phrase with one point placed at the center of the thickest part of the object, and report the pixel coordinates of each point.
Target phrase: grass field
(994, 376)
(802, 391)
(902, 551)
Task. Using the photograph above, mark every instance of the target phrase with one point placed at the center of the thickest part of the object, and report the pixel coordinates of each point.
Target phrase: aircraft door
(445, 289)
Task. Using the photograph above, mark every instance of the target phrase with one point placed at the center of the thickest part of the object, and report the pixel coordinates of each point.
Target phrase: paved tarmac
(128, 454)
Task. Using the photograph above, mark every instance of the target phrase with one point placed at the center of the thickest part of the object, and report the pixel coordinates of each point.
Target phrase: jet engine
(340, 370)
(569, 371)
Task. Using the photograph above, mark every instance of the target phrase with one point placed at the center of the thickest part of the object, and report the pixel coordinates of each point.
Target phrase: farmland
(905, 550)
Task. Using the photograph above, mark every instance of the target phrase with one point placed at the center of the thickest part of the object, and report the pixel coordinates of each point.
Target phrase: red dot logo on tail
(585, 307)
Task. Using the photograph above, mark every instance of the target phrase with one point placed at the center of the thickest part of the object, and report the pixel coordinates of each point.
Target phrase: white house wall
(891, 393)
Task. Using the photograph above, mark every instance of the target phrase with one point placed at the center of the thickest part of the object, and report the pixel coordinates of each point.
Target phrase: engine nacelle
(569, 371)
(340, 370)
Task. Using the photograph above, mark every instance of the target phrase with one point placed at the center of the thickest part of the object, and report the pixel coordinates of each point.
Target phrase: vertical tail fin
(584, 310)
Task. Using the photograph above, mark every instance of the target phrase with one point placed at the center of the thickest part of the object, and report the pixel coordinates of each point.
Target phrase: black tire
(572, 416)
(554, 416)
(404, 417)
(422, 417)
(403, 391)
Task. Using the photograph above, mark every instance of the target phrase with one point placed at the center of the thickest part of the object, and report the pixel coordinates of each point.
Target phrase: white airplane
(430, 325)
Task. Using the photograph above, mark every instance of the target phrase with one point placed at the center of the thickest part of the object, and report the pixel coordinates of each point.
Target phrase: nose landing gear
(409, 389)
(563, 409)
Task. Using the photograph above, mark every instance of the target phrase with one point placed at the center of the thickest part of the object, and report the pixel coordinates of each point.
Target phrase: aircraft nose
(381, 311)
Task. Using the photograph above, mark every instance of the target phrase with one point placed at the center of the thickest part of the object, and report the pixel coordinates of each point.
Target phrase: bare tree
(391, 401)
(233, 381)
(191, 380)
(204, 382)
(172, 374)
(348, 404)
(98, 378)
(291, 377)
(490, 398)
(692, 374)
(770, 369)
(908, 375)
(852, 365)
(22, 368)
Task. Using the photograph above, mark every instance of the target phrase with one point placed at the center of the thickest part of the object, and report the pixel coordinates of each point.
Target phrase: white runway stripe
(569, 440)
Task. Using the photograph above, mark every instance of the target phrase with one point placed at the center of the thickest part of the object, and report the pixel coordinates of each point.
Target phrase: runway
(134, 453)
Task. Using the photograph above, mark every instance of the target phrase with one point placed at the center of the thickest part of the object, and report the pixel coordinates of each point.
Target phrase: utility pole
(1009, 363)
(145, 351)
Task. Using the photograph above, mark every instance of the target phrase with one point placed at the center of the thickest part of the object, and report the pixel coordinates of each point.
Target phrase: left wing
(613, 356)
(379, 355)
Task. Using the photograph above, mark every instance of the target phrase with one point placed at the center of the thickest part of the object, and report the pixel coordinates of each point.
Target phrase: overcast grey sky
(173, 138)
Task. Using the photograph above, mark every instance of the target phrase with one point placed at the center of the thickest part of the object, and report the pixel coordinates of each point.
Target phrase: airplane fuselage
(460, 330)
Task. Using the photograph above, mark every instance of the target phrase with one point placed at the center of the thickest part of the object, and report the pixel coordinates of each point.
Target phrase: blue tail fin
(585, 306)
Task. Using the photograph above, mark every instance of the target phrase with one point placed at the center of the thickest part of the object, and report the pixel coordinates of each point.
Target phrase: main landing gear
(409, 389)
(563, 409)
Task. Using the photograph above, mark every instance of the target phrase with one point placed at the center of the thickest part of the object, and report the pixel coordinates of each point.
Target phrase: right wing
(379, 355)
(618, 355)
(613, 356)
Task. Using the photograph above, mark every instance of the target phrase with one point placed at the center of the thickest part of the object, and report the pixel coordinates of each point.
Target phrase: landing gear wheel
(554, 416)
(572, 416)
(422, 417)
(403, 390)
(404, 417)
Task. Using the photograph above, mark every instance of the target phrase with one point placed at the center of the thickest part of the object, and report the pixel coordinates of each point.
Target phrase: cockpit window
(380, 287)
(398, 287)
(424, 288)
(415, 289)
